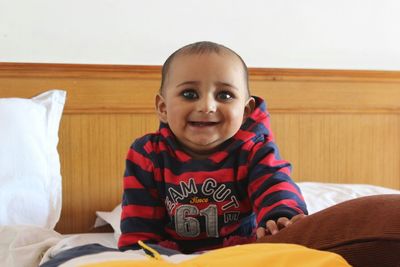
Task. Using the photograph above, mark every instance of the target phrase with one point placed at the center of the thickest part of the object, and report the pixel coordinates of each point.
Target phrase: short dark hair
(203, 47)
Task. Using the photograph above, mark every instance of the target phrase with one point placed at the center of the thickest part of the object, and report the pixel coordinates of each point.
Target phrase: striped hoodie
(197, 203)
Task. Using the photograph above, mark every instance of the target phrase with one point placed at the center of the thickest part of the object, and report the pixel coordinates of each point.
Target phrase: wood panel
(131, 89)
(92, 151)
(341, 148)
(333, 125)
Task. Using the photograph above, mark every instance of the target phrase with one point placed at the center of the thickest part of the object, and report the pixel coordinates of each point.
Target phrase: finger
(272, 227)
(283, 222)
(260, 232)
(298, 217)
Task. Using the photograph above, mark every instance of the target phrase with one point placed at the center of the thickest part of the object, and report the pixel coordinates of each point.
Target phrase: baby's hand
(272, 227)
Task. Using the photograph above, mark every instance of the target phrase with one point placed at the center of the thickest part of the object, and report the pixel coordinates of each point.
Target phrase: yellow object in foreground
(245, 255)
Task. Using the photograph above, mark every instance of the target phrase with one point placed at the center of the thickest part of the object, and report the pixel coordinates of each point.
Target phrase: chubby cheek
(176, 115)
(235, 118)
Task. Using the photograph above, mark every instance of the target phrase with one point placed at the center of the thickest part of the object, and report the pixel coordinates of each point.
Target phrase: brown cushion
(365, 231)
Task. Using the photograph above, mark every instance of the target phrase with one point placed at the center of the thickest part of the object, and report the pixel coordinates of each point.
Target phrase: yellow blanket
(243, 256)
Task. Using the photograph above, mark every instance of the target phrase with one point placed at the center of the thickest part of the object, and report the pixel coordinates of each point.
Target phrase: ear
(249, 107)
(161, 108)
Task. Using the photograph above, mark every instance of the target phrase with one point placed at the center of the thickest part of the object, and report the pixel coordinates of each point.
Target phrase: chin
(203, 146)
(206, 149)
(206, 146)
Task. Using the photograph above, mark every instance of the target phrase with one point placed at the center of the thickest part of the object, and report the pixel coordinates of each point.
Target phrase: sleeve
(143, 211)
(271, 190)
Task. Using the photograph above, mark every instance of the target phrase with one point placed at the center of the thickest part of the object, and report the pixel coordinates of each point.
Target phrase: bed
(339, 128)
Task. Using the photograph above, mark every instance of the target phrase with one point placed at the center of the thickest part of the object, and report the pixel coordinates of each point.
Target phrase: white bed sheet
(24, 246)
(29, 246)
(75, 240)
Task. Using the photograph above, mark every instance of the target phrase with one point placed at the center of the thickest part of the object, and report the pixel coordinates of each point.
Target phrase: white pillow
(319, 196)
(30, 178)
(113, 218)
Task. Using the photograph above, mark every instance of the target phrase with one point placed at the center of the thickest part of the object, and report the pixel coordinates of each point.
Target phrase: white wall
(333, 34)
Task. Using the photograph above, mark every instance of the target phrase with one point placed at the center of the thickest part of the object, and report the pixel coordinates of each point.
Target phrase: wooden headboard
(333, 125)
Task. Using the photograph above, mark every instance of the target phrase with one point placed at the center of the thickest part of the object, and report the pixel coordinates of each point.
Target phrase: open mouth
(202, 123)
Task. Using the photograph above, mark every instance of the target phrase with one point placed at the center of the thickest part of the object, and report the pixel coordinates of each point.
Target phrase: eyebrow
(218, 83)
(227, 84)
(188, 82)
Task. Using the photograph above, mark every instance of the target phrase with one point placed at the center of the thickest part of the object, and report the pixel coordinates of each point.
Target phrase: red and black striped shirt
(168, 195)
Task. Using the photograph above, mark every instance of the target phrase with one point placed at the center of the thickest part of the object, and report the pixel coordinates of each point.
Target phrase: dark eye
(224, 96)
(190, 94)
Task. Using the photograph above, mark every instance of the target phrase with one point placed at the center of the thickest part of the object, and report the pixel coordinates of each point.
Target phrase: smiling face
(204, 100)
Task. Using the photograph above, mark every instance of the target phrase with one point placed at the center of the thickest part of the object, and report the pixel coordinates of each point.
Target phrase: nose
(207, 104)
